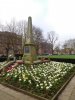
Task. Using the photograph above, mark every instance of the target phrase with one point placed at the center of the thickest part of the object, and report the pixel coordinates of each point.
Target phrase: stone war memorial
(42, 80)
(29, 56)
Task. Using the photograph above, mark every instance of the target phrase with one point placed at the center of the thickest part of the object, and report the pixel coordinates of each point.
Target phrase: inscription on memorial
(26, 49)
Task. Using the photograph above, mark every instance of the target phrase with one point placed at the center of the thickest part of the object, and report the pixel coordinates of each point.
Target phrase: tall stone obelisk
(29, 55)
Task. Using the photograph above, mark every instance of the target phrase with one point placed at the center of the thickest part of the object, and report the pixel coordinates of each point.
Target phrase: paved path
(69, 92)
(10, 94)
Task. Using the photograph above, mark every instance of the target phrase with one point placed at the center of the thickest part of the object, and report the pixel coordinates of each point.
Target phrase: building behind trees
(10, 43)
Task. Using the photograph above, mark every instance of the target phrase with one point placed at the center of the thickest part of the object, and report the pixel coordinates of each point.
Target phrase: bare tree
(18, 30)
(15, 27)
(52, 38)
(57, 48)
(38, 37)
(9, 42)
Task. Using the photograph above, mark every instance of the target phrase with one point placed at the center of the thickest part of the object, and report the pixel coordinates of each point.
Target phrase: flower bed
(42, 79)
(5, 66)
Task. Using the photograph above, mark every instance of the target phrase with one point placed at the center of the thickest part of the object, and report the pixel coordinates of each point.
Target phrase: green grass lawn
(60, 56)
(63, 56)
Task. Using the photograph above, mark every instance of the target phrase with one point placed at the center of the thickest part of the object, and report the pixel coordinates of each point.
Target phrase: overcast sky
(50, 15)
